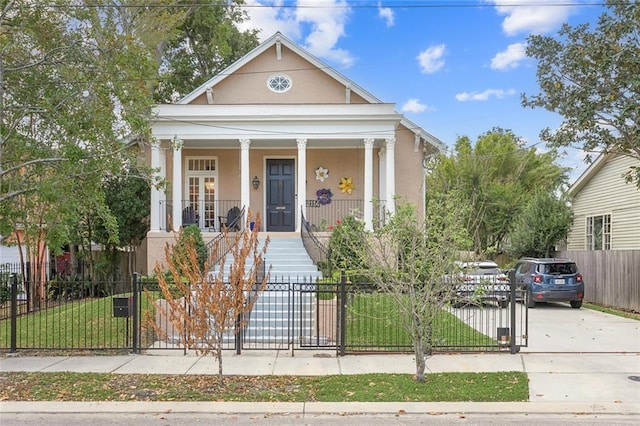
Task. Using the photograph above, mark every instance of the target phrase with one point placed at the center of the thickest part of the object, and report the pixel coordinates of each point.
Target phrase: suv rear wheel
(576, 304)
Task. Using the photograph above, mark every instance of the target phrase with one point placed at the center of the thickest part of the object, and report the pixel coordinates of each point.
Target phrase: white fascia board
(437, 143)
(287, 129)
(349, 121)
(291, 111)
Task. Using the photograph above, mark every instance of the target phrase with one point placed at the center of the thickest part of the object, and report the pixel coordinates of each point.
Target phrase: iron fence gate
(288, 315)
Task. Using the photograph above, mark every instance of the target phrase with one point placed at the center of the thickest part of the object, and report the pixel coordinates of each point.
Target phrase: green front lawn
(374, 320)
(77, 324)
(479, 387)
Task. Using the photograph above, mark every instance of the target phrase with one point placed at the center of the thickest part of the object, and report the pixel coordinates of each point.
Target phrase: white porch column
(245, 180)
(154, 218)
(390, 157)
(302, 181)
(176, 180)
(382, 175)
(368, 184)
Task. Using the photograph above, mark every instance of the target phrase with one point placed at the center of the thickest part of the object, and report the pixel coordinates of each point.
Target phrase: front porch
(211, 215)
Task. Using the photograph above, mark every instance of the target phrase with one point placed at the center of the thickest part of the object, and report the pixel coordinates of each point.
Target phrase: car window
(559, 268)
(483, 271)
(522, 268)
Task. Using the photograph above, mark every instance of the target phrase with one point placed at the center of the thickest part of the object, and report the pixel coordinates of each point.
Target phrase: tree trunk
(420, 360)
(219, 356)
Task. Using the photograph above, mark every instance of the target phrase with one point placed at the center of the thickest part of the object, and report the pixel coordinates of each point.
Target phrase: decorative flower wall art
(346, 185)
(322, 174)
(324, 196)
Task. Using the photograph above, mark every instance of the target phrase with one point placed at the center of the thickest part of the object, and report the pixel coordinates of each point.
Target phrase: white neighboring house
(10, 254)
(10, 261)
(606, 209)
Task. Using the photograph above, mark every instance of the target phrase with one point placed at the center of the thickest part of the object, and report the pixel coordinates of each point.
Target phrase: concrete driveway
(555, 327)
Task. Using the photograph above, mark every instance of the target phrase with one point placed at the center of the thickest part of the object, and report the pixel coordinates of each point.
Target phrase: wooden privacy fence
(611, 277)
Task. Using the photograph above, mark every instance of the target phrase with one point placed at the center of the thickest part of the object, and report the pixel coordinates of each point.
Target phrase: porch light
(255, 182)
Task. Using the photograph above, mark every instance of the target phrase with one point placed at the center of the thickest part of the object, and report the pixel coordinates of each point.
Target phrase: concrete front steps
(287, 257)
(284, 312)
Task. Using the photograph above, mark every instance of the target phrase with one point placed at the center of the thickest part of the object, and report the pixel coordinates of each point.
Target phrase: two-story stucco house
(284, 135)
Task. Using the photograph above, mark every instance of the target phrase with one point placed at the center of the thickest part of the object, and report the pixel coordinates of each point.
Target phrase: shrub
(345, 244)
(192, 232)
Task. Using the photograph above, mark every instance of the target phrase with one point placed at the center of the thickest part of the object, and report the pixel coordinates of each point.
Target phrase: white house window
(599, 232)
(279, 83)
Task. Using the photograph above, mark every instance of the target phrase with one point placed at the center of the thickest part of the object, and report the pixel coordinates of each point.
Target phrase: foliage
(5, 287)
(347, 236)
(66, 386)
(408, 258)
(68, 288)
(211, 306)
(591, 77)
(192, 235)
(74, 88)
(495, 178)
(208, 41)
(541, 224)
(127, 198)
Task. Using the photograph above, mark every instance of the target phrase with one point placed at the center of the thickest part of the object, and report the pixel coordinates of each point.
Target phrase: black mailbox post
(122, 307)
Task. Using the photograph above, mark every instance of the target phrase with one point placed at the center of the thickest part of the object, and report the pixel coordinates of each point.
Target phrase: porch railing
(207, 215)
(317, 250)
(324, 217)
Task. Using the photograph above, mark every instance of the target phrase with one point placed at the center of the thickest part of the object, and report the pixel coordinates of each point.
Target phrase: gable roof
(279, 39)
(589, 173)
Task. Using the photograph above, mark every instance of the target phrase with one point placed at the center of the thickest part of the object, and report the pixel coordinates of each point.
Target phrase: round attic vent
(279, 83)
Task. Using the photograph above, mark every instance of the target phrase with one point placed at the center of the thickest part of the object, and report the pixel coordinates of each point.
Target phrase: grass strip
(66, 386)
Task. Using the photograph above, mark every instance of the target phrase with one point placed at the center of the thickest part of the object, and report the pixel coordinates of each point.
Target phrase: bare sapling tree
(205, 306)
(408, 259)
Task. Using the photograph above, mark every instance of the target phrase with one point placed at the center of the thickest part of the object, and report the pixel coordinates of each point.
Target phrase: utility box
(122, 307)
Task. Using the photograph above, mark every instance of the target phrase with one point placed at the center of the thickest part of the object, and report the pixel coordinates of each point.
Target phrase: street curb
(308, 408)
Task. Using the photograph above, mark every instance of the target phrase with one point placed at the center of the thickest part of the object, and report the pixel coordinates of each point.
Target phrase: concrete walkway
(592, 383)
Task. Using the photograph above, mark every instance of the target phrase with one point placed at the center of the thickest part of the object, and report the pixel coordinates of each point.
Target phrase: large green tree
(543, 222)
(496, 176)
(591, 77)
(208, 42)
(76, 82)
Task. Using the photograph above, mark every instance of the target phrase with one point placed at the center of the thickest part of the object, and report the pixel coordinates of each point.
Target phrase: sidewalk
(593, 383)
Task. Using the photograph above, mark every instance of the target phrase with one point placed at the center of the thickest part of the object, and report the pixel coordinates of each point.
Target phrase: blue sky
(454, 67)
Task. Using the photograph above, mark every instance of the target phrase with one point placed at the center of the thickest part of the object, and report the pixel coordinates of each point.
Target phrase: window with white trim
(279, 83)
(599, 232)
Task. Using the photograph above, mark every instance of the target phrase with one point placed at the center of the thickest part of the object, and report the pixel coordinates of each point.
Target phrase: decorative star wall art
(322, 174)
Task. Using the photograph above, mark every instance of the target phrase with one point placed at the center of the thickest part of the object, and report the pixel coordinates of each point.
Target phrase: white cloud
(414, 105)
(510, 58)
(386, 13)
(430, 60)
(484, 96)
(533, 16)
(323, 24)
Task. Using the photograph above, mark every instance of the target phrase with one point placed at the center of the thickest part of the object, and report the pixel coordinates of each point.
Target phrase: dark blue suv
(549, 280)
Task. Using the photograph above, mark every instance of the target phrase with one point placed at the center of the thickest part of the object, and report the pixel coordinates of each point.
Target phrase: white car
(480, 282)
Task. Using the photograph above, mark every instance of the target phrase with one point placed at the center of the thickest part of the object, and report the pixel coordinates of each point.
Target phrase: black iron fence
(329, 315)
